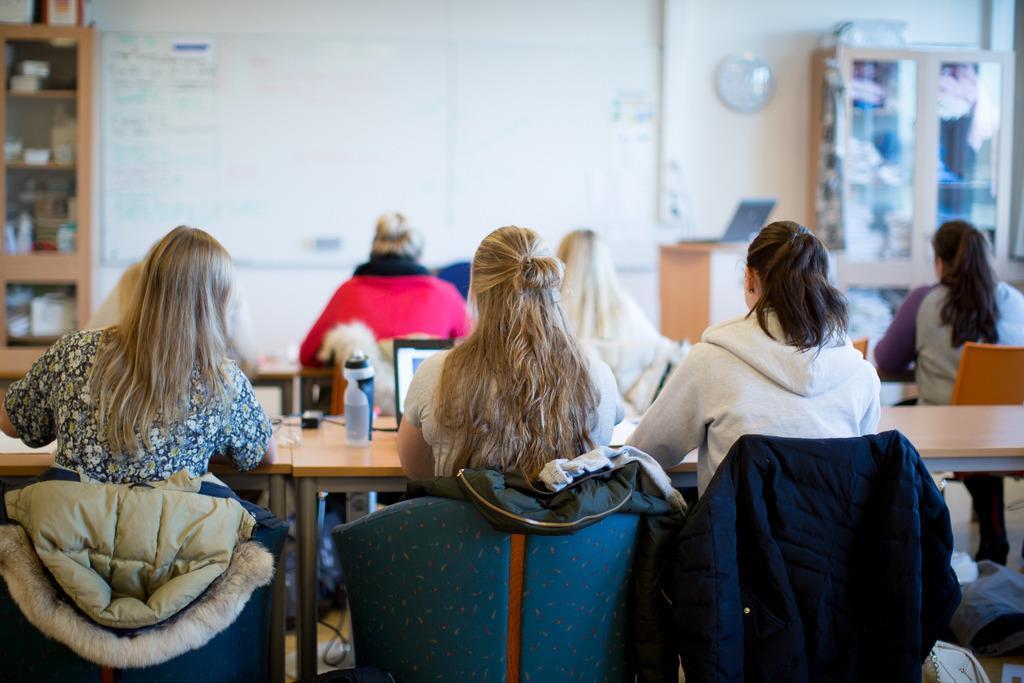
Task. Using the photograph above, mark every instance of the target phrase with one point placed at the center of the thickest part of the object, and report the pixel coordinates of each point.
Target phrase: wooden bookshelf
(51, 166)
(30, 341)
(42, 94)
(28, 116)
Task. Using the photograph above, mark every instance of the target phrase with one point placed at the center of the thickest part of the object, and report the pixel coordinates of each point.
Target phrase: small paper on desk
(12, 445)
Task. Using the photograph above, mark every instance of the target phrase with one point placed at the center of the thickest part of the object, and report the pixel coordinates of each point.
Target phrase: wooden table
(269, 478)
(949, 438)
(323, 462)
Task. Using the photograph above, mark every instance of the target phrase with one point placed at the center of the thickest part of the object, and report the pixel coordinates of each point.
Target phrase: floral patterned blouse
(53, 402)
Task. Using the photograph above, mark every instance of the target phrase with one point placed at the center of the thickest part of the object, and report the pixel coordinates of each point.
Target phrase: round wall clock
(744, 82)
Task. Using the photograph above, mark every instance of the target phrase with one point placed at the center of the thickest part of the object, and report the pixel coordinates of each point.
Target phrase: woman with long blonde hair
(156, 393)
(241, 339)
(609, 323)
(518, 392)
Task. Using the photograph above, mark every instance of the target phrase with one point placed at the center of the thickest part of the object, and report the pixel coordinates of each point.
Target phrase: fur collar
(252, 566)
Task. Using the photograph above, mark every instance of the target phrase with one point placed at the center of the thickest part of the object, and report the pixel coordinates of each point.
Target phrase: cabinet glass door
(40, 147)
(969, 109)
(879, 163)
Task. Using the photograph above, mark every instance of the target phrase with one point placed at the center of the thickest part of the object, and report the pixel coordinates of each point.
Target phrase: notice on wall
(160, 143)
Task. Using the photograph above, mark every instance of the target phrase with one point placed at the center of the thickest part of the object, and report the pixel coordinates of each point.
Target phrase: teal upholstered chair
(239, 653)
(437, 594)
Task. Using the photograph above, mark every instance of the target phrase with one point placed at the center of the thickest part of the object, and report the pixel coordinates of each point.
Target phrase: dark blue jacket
(814, 560)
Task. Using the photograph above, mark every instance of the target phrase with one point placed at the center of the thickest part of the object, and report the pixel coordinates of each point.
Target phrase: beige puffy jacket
(171, 561)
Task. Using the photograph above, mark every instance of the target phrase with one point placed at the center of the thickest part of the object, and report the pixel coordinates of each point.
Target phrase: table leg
(296, 397)
(278, 505)
(307, 568)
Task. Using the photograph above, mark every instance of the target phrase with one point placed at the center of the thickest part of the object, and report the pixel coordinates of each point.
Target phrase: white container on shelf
(26, 232)
(26, 83)
(33, 67)
(66, 238)
(37, 155)
(53, 314)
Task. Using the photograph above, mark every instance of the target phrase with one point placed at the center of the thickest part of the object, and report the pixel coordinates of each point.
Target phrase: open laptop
(751, 215)
(409, 354)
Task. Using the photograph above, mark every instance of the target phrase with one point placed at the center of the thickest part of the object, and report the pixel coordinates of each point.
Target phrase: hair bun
(395, 237)
(392, 226)
(540, 271)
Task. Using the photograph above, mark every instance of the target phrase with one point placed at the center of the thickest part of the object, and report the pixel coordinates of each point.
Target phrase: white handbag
(950, 663)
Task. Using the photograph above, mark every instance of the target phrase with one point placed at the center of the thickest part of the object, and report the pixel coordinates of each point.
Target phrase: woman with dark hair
(786, 368)
(969, 304)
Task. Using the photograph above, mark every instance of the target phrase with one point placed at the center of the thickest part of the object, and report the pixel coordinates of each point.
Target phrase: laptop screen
(409, 355)
(750, 217)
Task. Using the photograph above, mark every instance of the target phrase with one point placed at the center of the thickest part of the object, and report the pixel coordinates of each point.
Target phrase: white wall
(722, 156)
(285, 302)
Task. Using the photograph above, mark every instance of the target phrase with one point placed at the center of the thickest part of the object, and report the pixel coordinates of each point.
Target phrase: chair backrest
(990, 374)
(862, 346)
(436, 593)
(458, 275)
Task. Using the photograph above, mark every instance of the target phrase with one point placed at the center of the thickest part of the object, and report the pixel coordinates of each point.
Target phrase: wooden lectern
(701, 284)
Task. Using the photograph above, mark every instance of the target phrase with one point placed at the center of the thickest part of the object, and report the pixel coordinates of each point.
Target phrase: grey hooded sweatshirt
(739, 380)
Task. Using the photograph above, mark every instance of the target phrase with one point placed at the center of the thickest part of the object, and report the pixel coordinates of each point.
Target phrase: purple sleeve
(898, 348)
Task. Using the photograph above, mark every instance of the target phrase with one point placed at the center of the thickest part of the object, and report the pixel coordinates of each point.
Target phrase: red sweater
(391, 306)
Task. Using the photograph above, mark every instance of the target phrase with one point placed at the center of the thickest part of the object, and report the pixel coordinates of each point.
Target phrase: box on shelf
(63, 136)
(62, 12)
(38, 155)
(23, 83)
(16, 11)
(33, 67)
(53, 314)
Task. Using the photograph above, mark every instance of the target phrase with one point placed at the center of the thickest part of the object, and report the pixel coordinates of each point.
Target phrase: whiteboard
(287, 148)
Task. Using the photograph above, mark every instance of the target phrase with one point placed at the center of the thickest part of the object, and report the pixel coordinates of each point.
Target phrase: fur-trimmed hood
(131, 556)
(251, 567)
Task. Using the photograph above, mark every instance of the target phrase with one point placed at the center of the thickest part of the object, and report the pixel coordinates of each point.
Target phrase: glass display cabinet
(904, 140)
(45, 259)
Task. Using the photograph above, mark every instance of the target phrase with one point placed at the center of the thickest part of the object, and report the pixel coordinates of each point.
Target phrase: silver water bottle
(358, 372)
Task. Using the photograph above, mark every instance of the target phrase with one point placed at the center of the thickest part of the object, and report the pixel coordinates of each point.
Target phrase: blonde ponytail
(517, 393)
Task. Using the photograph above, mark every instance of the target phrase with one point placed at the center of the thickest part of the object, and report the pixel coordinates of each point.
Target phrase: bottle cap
(357, 361)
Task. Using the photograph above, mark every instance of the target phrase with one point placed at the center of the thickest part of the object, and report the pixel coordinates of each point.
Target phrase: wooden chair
(862, 346)
(990, 374)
